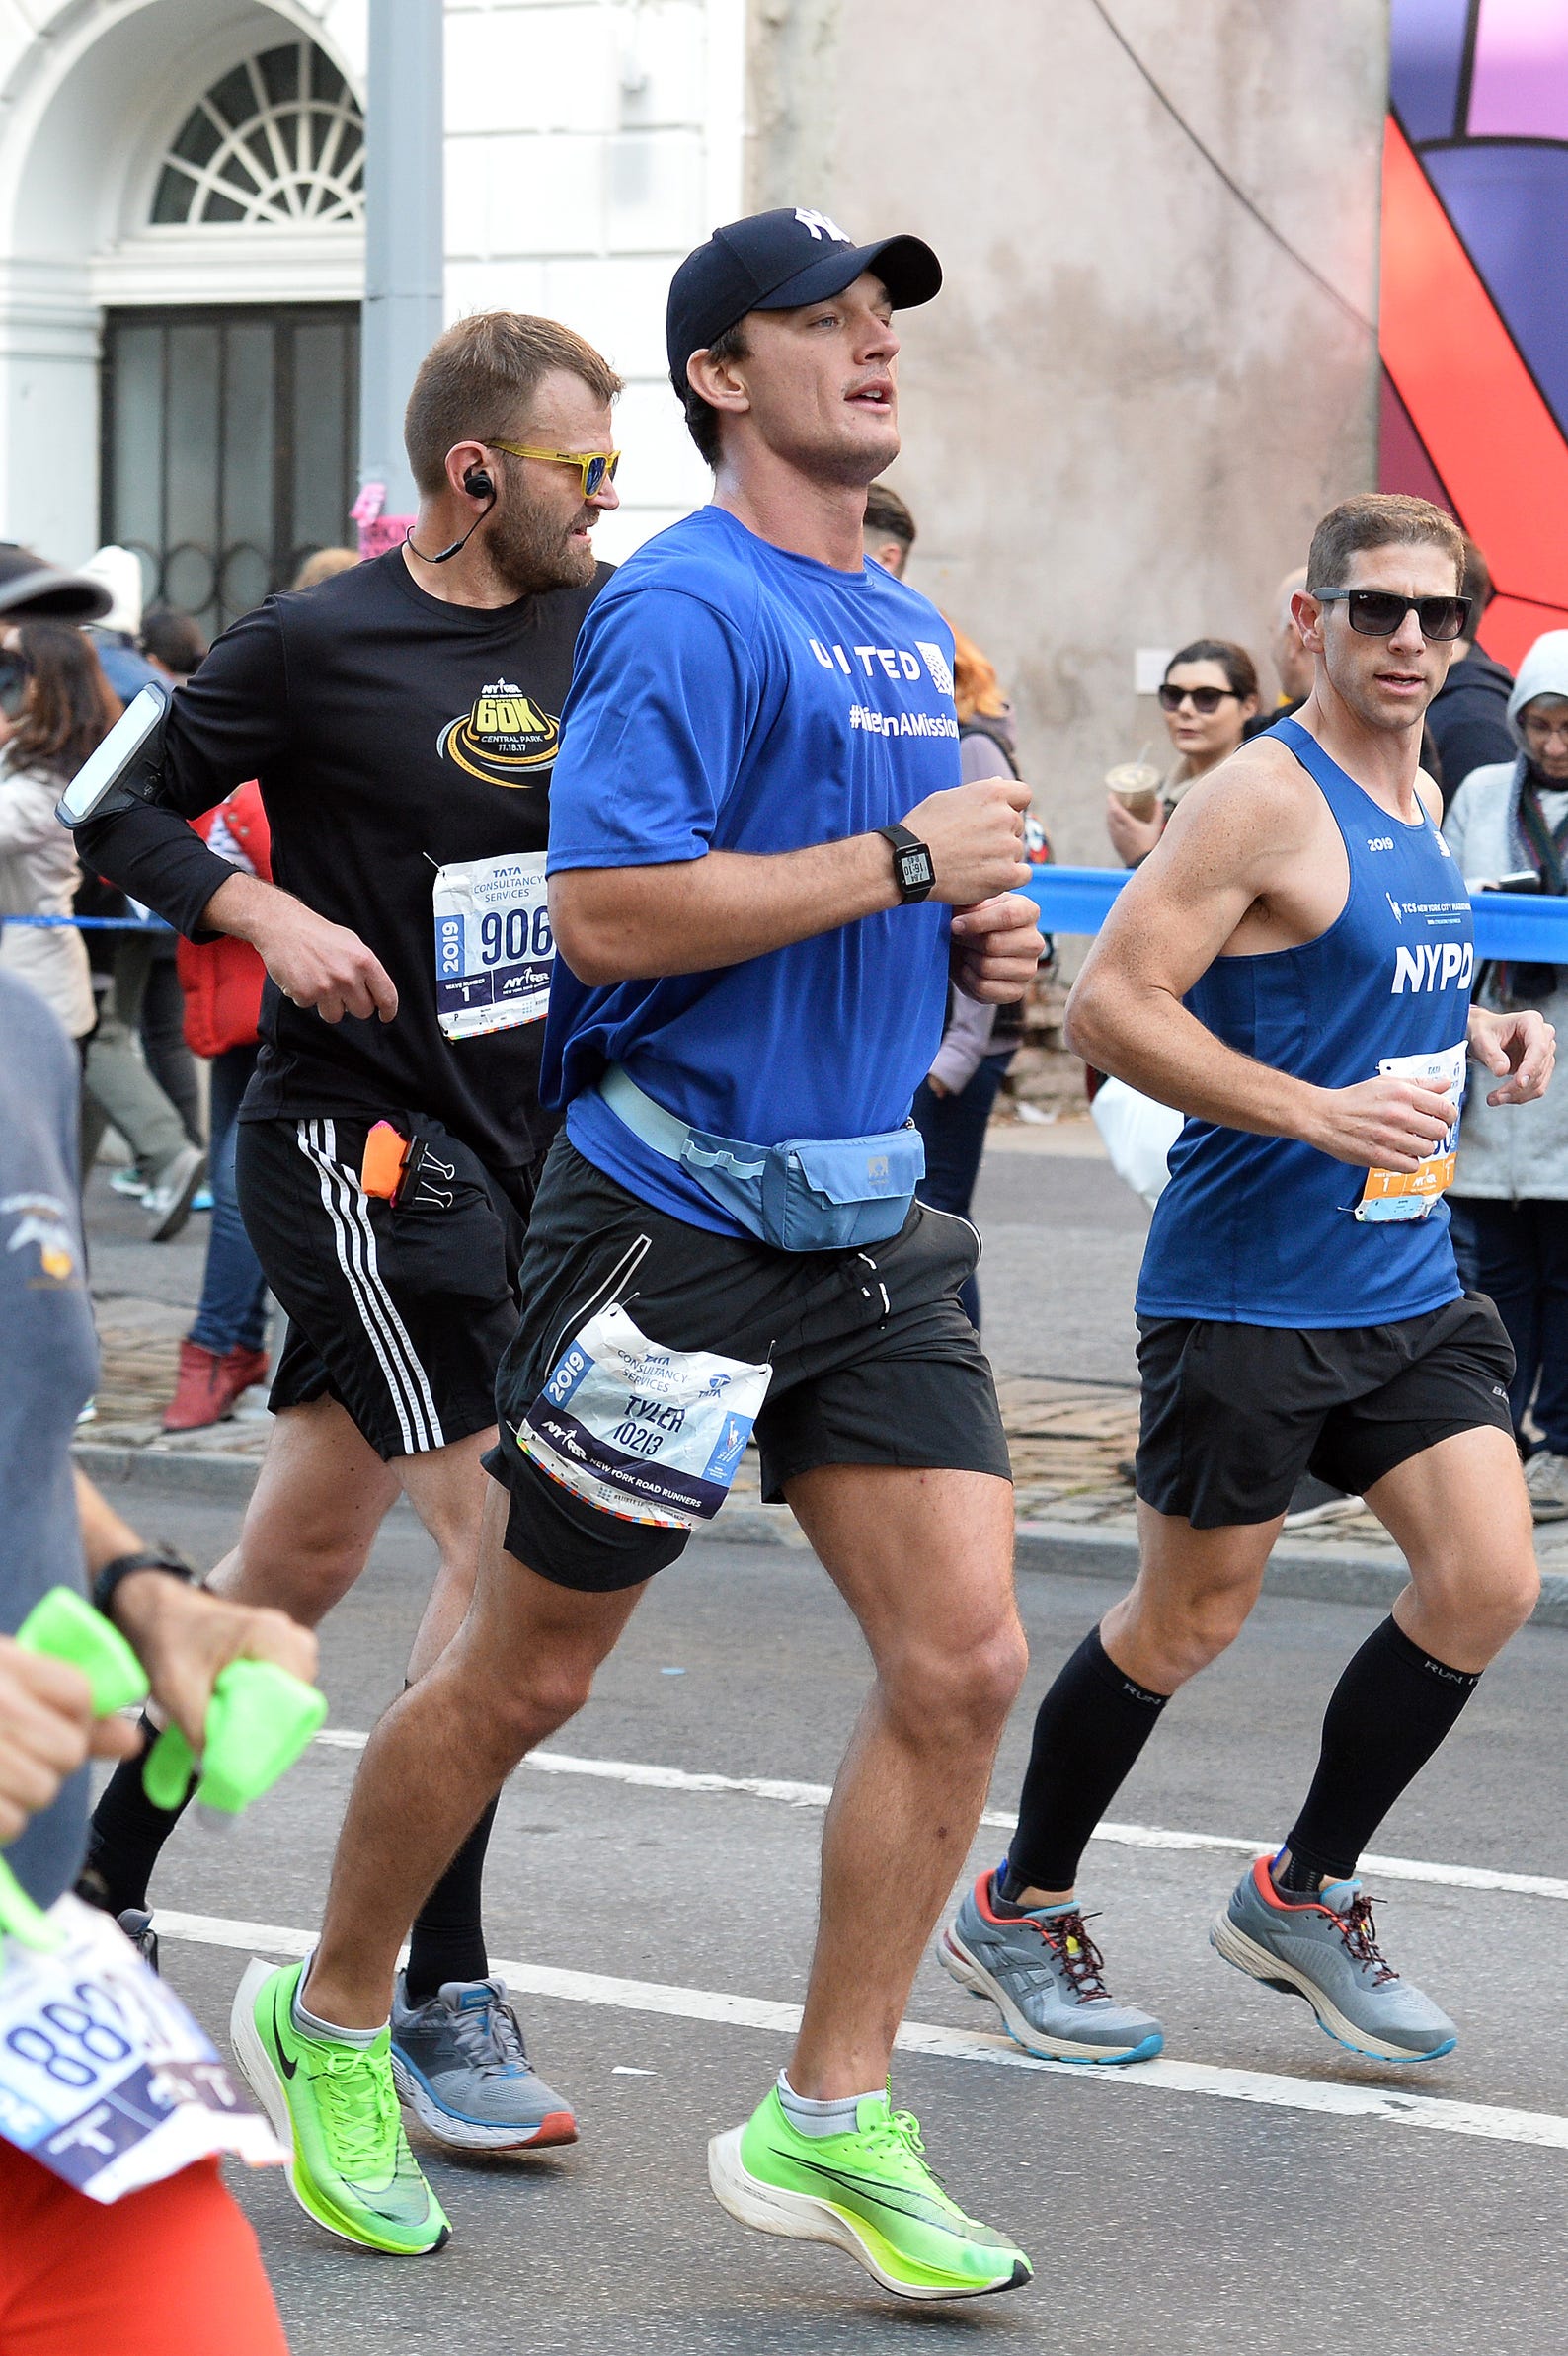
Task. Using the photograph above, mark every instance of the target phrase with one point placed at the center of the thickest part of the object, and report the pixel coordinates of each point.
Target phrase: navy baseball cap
(775, 261)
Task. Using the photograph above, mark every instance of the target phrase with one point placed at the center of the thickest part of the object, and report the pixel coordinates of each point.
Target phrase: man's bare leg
(320, 1497)
(925, 1561)
(521, 1665)
(1460, 1514)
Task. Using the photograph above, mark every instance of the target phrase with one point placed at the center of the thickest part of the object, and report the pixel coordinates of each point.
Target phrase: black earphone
(478, 485)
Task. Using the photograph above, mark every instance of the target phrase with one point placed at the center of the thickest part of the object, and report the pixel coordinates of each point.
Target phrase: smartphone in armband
(127, 767)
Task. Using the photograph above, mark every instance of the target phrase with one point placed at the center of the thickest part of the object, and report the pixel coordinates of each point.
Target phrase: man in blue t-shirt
(765, 872)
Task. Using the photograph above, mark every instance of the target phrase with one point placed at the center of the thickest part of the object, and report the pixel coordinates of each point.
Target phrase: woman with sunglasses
(1510, 1199)
(46, 738)
(1208, 694)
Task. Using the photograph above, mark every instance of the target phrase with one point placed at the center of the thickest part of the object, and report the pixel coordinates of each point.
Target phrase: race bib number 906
(494, 947)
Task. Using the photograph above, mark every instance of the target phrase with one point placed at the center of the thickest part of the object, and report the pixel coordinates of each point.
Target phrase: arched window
(278, 139)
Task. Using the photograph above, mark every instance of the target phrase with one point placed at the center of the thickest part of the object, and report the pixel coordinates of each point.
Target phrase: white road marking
(1338, 2100)
(1121, 1836)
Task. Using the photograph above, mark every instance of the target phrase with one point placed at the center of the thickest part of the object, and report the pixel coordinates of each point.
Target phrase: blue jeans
(954, 1129)
(1518, 1254)
(233, 1310)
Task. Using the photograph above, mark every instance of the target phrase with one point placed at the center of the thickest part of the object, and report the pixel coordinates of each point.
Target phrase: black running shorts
(1233, 1415)
(401, 1314)
(873, 1359)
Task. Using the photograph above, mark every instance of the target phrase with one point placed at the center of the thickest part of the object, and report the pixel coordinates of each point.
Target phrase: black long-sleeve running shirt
(392, 735)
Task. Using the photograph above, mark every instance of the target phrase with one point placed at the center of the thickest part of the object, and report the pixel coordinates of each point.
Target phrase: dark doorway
(229, 446)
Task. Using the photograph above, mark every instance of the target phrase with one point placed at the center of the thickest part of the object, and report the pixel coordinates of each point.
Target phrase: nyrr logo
(1434, 966)
(504, 737)
(820, 226)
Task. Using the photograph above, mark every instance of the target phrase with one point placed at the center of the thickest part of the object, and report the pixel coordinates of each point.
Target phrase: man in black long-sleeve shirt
(402, 720)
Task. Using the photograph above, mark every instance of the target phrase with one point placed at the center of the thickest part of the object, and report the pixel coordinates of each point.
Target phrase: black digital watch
(913, 870)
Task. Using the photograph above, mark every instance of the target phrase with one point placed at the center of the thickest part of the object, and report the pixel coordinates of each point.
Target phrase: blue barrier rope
(1517, 924)
(93, 923)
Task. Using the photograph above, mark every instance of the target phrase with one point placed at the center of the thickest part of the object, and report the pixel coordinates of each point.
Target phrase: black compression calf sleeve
(1091, 1727)
(127, 1833)
(447, 1942)
(1385, 1717)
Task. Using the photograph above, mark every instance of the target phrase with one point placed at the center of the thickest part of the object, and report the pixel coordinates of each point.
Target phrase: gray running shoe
(459, 2064)
(1043, 1973)
(167, 1201)
(1325, 1949)
(1546, 1480)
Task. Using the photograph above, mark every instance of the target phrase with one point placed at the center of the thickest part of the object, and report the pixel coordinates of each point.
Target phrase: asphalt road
(1233, 2208)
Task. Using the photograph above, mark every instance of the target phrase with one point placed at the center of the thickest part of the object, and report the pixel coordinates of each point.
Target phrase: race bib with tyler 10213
(648, 1434)
(494, 947)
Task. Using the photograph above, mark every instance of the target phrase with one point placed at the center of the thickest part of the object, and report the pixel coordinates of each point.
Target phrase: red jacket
(222, 980)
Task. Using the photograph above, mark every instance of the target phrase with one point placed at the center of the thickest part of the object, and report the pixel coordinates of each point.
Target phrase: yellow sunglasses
(595, 469)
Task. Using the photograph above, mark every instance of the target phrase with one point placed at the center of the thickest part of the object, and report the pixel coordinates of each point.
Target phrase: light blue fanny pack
(803, 1195)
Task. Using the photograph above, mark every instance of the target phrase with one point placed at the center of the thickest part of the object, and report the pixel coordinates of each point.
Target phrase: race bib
(103, 2075)
(494, 947)
(647, 1434)
(1410, 1194)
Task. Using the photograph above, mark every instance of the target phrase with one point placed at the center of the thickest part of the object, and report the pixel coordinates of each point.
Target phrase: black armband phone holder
(127, 767)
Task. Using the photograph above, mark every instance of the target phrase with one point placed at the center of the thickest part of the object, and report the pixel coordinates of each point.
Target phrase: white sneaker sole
(470, 2135)
(797, 2217)
(1235, 1948)
(260, 2073)
(967, 1969)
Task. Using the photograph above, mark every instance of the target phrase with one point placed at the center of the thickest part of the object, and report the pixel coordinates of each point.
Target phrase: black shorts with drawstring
(873, 1359)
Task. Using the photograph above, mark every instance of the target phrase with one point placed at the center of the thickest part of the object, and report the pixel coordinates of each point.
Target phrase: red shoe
(209, 1385)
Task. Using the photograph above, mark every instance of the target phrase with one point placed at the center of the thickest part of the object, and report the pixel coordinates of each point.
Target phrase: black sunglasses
(1380, 614)
(1203, 699)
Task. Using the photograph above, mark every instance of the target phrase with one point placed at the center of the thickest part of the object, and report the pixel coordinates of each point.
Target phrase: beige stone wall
(1129, 405)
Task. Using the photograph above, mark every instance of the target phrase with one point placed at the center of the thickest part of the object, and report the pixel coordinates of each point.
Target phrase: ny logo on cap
(819, 225)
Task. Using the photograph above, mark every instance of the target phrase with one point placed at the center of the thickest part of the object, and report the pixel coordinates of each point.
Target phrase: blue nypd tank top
(1268, 1231)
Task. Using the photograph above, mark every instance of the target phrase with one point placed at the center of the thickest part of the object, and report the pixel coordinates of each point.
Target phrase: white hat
(120, 574)
(1543, 671)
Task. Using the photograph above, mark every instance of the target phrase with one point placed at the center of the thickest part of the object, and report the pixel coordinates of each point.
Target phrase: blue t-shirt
(731, 696)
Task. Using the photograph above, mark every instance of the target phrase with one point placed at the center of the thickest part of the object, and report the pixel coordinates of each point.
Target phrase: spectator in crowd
(67, 708)
(1510, 1199)
(1292, 665)
(175, 644)
(172, 642)
(226, 1352)
(954, 1102)
(1468, 718)
(889, 529)
(39, 873)
(1208, 695)
(115, 639)
(323, 565)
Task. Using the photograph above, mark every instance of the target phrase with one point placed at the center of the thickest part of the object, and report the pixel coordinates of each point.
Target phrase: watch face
(916, 872)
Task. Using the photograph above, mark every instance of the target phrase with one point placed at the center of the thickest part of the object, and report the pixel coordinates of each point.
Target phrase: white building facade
(181, 252)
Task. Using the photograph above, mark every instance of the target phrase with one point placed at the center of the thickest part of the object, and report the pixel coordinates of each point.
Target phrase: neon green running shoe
(337, 2108)
(869, 2192)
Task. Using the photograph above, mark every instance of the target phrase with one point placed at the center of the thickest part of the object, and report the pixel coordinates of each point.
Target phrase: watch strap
(147, 1559)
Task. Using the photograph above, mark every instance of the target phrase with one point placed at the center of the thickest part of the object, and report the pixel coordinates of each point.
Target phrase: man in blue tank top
(1291, 967)
(764, 870)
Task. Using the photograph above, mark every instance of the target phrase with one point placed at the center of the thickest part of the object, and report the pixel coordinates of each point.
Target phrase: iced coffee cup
(1136, 785)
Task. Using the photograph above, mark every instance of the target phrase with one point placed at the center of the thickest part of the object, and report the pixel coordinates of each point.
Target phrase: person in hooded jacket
(1510, 1199)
